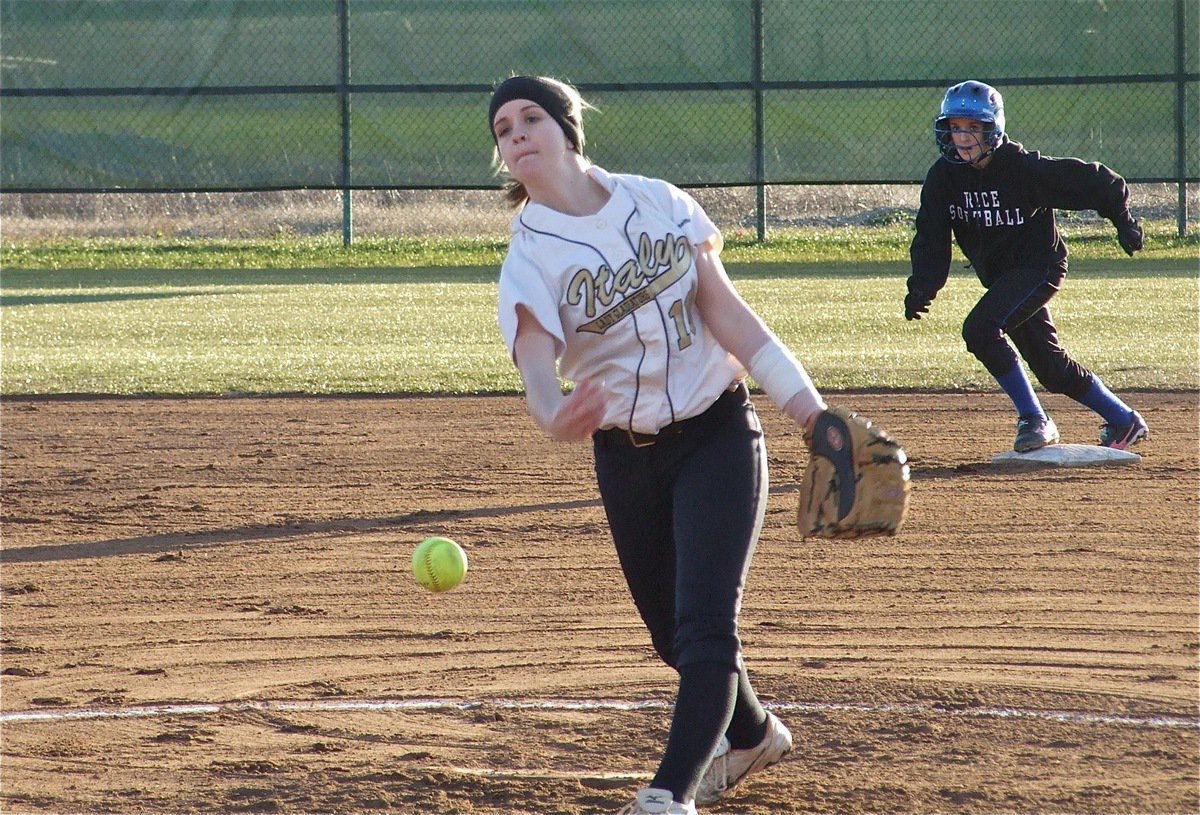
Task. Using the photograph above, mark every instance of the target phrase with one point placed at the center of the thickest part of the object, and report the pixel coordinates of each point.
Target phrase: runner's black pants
(1016, 305)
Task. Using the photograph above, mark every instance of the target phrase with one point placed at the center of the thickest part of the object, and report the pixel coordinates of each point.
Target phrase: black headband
(549, 97)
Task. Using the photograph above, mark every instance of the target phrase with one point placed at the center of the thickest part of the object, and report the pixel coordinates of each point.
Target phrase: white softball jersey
(617, 290)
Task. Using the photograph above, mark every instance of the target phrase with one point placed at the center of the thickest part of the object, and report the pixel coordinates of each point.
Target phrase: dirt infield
(207, 607)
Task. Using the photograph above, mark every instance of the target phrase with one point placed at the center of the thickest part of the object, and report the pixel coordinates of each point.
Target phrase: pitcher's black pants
(685, 514)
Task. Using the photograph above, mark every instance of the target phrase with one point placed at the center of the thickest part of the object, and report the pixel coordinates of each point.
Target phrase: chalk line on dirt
(384, 705)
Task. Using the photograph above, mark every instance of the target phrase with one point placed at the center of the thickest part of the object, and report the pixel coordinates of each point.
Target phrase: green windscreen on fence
(155, 95)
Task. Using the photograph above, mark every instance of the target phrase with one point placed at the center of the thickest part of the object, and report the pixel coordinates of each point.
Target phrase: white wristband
(782, 377)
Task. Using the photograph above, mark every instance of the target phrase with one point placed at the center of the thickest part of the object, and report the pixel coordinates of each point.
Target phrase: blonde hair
(560, 100)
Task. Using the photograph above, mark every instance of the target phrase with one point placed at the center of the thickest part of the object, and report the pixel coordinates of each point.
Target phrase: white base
(1069, 455)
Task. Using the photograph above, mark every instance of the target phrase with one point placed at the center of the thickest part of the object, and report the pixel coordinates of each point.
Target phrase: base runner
(997, 201)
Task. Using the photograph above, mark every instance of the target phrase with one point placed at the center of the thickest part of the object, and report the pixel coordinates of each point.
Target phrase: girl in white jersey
(615, 282)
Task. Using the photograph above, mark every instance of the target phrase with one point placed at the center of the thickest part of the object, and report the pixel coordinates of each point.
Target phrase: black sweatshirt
(1003, 215)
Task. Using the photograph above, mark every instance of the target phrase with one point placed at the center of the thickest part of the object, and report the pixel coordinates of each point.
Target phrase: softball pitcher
(997, 201)
(615, 282)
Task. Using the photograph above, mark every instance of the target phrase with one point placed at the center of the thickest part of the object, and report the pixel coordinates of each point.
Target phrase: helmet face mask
(970, 100)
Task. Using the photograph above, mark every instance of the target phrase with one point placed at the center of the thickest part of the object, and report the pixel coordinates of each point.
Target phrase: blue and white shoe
(1034, 433)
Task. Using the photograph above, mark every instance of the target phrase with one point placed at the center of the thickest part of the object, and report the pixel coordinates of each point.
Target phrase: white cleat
(730, 767)
(652, 801)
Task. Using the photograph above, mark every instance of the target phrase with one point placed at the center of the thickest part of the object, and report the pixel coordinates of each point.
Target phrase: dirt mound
(207, 607)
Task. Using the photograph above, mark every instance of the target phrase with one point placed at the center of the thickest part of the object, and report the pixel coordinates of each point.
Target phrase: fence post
(1180, 121)
(760, 195)
(344, 98)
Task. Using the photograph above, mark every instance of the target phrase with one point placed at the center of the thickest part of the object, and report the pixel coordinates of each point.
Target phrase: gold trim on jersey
(602, 286)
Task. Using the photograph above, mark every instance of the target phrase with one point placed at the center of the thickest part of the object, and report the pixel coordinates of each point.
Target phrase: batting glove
(916, 304)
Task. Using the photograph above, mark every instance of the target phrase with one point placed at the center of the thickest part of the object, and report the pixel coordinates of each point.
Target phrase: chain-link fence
(240, 95)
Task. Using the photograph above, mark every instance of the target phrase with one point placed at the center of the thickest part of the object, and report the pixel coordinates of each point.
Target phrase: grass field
(418, 316)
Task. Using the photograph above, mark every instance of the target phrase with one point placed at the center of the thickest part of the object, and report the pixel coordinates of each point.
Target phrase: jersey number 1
(679, 314)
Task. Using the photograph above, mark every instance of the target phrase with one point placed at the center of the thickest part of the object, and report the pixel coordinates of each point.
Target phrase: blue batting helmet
(970, 100)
